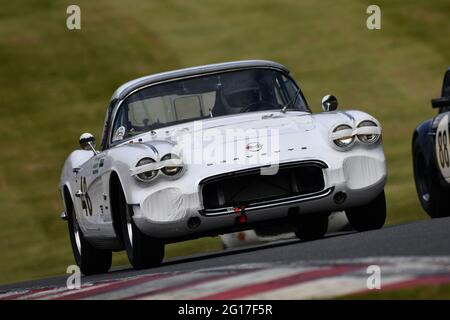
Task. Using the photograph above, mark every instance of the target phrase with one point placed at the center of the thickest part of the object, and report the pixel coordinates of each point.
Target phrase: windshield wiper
(292, 102)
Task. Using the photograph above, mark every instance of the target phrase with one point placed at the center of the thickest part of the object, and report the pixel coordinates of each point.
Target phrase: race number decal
(442, 148)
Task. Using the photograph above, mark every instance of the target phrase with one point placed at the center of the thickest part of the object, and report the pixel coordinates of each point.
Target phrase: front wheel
(433, 198)
(370, 216)
(90, 260)
(142, 251)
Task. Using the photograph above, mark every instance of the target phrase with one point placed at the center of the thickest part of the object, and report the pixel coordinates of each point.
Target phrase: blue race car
(431, 156)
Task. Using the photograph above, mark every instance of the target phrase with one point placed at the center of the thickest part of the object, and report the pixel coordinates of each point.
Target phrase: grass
(435, 292)
(55, 84)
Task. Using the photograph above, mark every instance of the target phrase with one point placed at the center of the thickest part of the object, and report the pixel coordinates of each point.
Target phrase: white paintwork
(162, 207)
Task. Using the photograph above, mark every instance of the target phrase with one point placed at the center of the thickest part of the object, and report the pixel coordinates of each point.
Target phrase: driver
(240, 92)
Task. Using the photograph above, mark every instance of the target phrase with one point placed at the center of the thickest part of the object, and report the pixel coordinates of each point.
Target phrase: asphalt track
(413, 253)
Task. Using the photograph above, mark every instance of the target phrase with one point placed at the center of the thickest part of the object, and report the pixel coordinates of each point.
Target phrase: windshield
(203, 97)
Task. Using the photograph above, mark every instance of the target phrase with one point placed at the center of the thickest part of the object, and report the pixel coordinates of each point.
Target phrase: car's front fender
(422, 136)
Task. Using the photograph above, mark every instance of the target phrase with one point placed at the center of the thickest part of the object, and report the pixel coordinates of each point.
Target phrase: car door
(91, 194)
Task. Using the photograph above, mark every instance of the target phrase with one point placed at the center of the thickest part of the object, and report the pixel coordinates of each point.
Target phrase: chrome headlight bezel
(368, 138)
(345, 142)
(147, 169)
(147, 176)
(171, 171)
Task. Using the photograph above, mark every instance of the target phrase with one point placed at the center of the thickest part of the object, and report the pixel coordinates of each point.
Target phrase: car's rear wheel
(90, 260)
(370, 216)
(142, 251)
(312, 226)
(434, 199)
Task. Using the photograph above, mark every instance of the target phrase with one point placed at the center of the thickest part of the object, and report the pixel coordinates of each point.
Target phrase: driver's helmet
(239, 92)
(243, 97)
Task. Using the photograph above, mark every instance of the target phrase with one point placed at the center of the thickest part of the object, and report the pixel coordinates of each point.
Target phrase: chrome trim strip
(352, 118)
(319, 163)
(125, 88)
(270, 204)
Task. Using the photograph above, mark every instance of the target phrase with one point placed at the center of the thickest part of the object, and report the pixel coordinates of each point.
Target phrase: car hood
(260, 123)
(236, 135)
(285, 123)
(265, 132)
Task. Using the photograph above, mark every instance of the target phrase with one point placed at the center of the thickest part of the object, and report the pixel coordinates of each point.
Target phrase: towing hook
(240, 211)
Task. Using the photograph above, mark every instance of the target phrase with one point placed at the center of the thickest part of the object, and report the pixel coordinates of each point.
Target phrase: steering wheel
(252, 106)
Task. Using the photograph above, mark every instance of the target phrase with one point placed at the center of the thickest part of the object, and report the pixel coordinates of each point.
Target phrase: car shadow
(227, 252)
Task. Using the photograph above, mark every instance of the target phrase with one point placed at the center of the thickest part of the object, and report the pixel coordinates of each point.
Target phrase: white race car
(215, 149)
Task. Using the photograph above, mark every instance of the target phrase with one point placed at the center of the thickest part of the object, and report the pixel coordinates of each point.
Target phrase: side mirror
(329, 103)
(87, 142)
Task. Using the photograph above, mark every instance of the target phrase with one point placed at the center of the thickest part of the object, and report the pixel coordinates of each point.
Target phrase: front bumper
(166, 214)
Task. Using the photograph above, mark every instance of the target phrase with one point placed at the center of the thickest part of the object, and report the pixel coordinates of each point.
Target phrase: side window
(119, 130)
(208, 102)
(291, 89)
(284, 90)
(188, 107)
(144, 113)
(279, 95)
(294, 93)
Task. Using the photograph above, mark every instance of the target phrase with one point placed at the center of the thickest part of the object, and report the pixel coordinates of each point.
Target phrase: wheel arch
(68, 200)
(425, 140)
(115, 186)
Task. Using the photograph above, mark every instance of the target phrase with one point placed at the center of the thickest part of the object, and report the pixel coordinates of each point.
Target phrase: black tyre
(312, 226)
(434, 198)
(142, 251)
(370, 216)
(89, 259)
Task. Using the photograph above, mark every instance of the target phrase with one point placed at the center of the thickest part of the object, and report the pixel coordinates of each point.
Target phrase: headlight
(171, 170)
(343, 139)
(148, 175)
(372, 129)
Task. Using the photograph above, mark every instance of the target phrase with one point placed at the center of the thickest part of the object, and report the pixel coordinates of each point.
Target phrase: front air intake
(249, 187)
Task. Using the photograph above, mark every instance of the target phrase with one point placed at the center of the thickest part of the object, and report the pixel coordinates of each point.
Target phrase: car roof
(132, 85)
